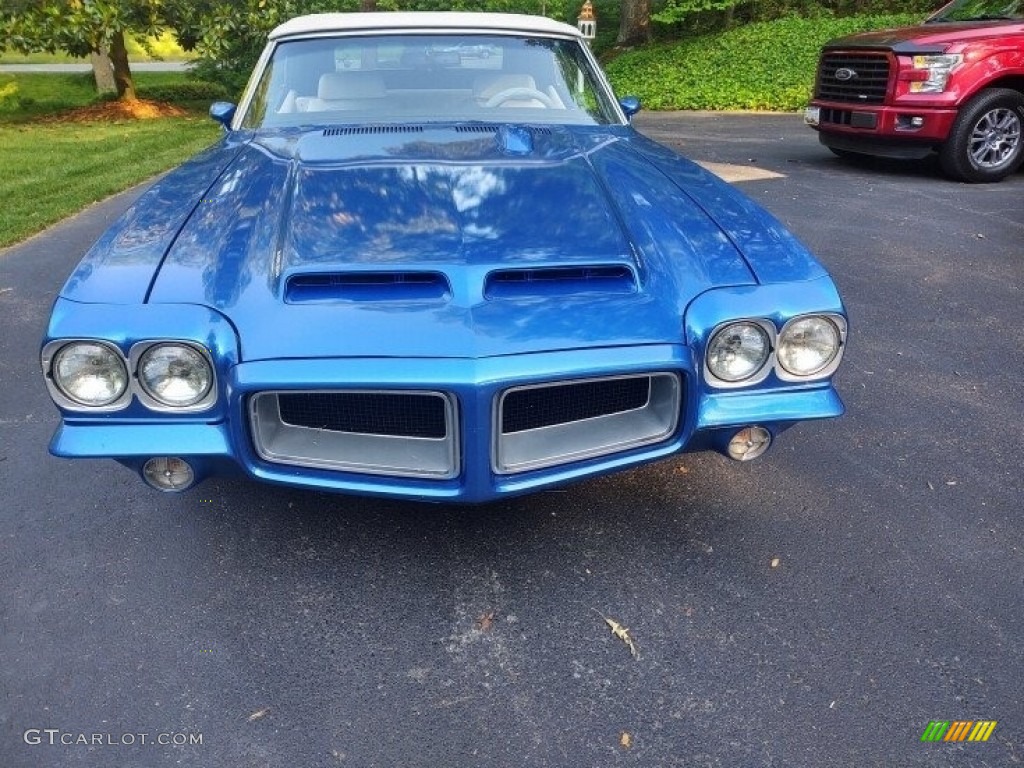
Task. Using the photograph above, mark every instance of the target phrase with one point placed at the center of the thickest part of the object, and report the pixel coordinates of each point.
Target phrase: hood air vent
(489, 128)
(559, 281)
(367, 286)
(367, 130)
(476, 129)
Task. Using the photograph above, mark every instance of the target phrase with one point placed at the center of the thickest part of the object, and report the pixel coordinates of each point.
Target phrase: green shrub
(190, 90)
(764, 66)
(9, 94)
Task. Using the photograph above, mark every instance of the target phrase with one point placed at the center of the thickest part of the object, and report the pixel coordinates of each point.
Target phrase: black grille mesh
(370, 413)
(525, 409)
(867, 85)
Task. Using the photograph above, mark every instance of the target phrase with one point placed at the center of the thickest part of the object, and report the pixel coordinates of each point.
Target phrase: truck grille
(866, 77)
(383, 432)
(555, 423)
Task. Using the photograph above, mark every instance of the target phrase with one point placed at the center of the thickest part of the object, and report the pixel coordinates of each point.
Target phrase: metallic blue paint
(235, 251)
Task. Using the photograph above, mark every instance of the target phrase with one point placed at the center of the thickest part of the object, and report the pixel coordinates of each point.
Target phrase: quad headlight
(95, 375)
(742, 353)
(175, 375)
(738, 351)
(89, 373)
(809, 345)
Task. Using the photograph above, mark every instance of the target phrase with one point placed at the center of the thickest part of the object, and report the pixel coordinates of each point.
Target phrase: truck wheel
(986, 142)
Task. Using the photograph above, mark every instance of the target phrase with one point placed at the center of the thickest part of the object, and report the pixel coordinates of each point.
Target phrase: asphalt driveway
(817, 607)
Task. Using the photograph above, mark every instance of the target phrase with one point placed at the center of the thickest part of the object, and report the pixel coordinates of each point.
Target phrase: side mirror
(630, 105)
(223, 112)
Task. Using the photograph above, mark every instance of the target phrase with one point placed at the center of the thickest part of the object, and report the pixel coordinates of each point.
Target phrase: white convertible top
(397, 21)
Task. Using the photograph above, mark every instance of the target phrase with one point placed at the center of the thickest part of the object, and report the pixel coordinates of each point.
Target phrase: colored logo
(959, 730)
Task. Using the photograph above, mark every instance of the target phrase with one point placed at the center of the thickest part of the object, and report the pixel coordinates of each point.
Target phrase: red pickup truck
(954, 85)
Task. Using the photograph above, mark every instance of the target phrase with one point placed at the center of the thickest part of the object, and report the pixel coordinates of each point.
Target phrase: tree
(81, 28)
(102, 71)
(634, 23)
(675, 11)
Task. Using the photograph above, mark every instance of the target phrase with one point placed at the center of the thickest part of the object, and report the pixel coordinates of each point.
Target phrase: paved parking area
(292, 628)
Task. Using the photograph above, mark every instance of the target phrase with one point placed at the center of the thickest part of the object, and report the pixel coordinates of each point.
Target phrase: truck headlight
(809, 345)
(89, 373)
(175, 375)
(938, 67)
(738, 351)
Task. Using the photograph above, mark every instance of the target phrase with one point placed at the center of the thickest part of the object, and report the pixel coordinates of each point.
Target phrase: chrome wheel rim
(995, 139)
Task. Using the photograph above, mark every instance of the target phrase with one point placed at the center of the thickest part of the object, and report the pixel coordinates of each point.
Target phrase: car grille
(556, 423)
(545, 406)
(406, 434)
(868, 84)
(366, 413)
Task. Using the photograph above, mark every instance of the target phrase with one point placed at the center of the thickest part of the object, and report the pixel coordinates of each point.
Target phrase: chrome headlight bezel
(758, 374)
(50, 359)
(773, 362)
(838, 322)
(150, 398)
(134, 387)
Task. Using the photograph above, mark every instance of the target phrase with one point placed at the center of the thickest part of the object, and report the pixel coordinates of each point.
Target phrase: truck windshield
(980, 10)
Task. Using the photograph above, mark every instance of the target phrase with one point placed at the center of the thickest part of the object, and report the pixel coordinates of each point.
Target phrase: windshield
(428, 78)
(980, 10)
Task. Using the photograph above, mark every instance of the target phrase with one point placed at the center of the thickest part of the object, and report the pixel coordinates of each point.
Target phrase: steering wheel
(523, 93)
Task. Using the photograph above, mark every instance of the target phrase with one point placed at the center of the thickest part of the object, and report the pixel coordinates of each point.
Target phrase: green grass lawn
(53, 169)
(28, 95)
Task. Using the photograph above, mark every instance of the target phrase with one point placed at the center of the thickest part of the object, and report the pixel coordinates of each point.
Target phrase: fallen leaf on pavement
(620, 632)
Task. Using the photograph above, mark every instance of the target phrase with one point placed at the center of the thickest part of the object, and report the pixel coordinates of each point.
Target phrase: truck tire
(987, 140)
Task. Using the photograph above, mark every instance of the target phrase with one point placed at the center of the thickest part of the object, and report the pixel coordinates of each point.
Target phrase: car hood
(463, 241)
(935, 37)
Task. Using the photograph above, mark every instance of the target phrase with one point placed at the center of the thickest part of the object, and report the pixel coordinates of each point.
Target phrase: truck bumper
(905, 132)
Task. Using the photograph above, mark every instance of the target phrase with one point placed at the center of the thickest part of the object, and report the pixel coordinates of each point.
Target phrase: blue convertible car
(431, 259)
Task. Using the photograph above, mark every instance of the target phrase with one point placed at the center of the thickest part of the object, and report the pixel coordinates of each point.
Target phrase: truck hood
(928, 38)
(461, 241)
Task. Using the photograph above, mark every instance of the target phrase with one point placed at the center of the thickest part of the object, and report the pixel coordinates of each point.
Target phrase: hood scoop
(559, 281)
(366, 287)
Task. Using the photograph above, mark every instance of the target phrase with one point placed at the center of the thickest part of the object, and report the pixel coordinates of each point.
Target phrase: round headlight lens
(89, 373)
(808, 345)
(175, 374)
(738, 351)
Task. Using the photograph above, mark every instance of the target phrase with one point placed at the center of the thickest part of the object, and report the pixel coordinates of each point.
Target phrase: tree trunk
(102, 71)
(367, 5)
(634, 23)
(122, 72)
